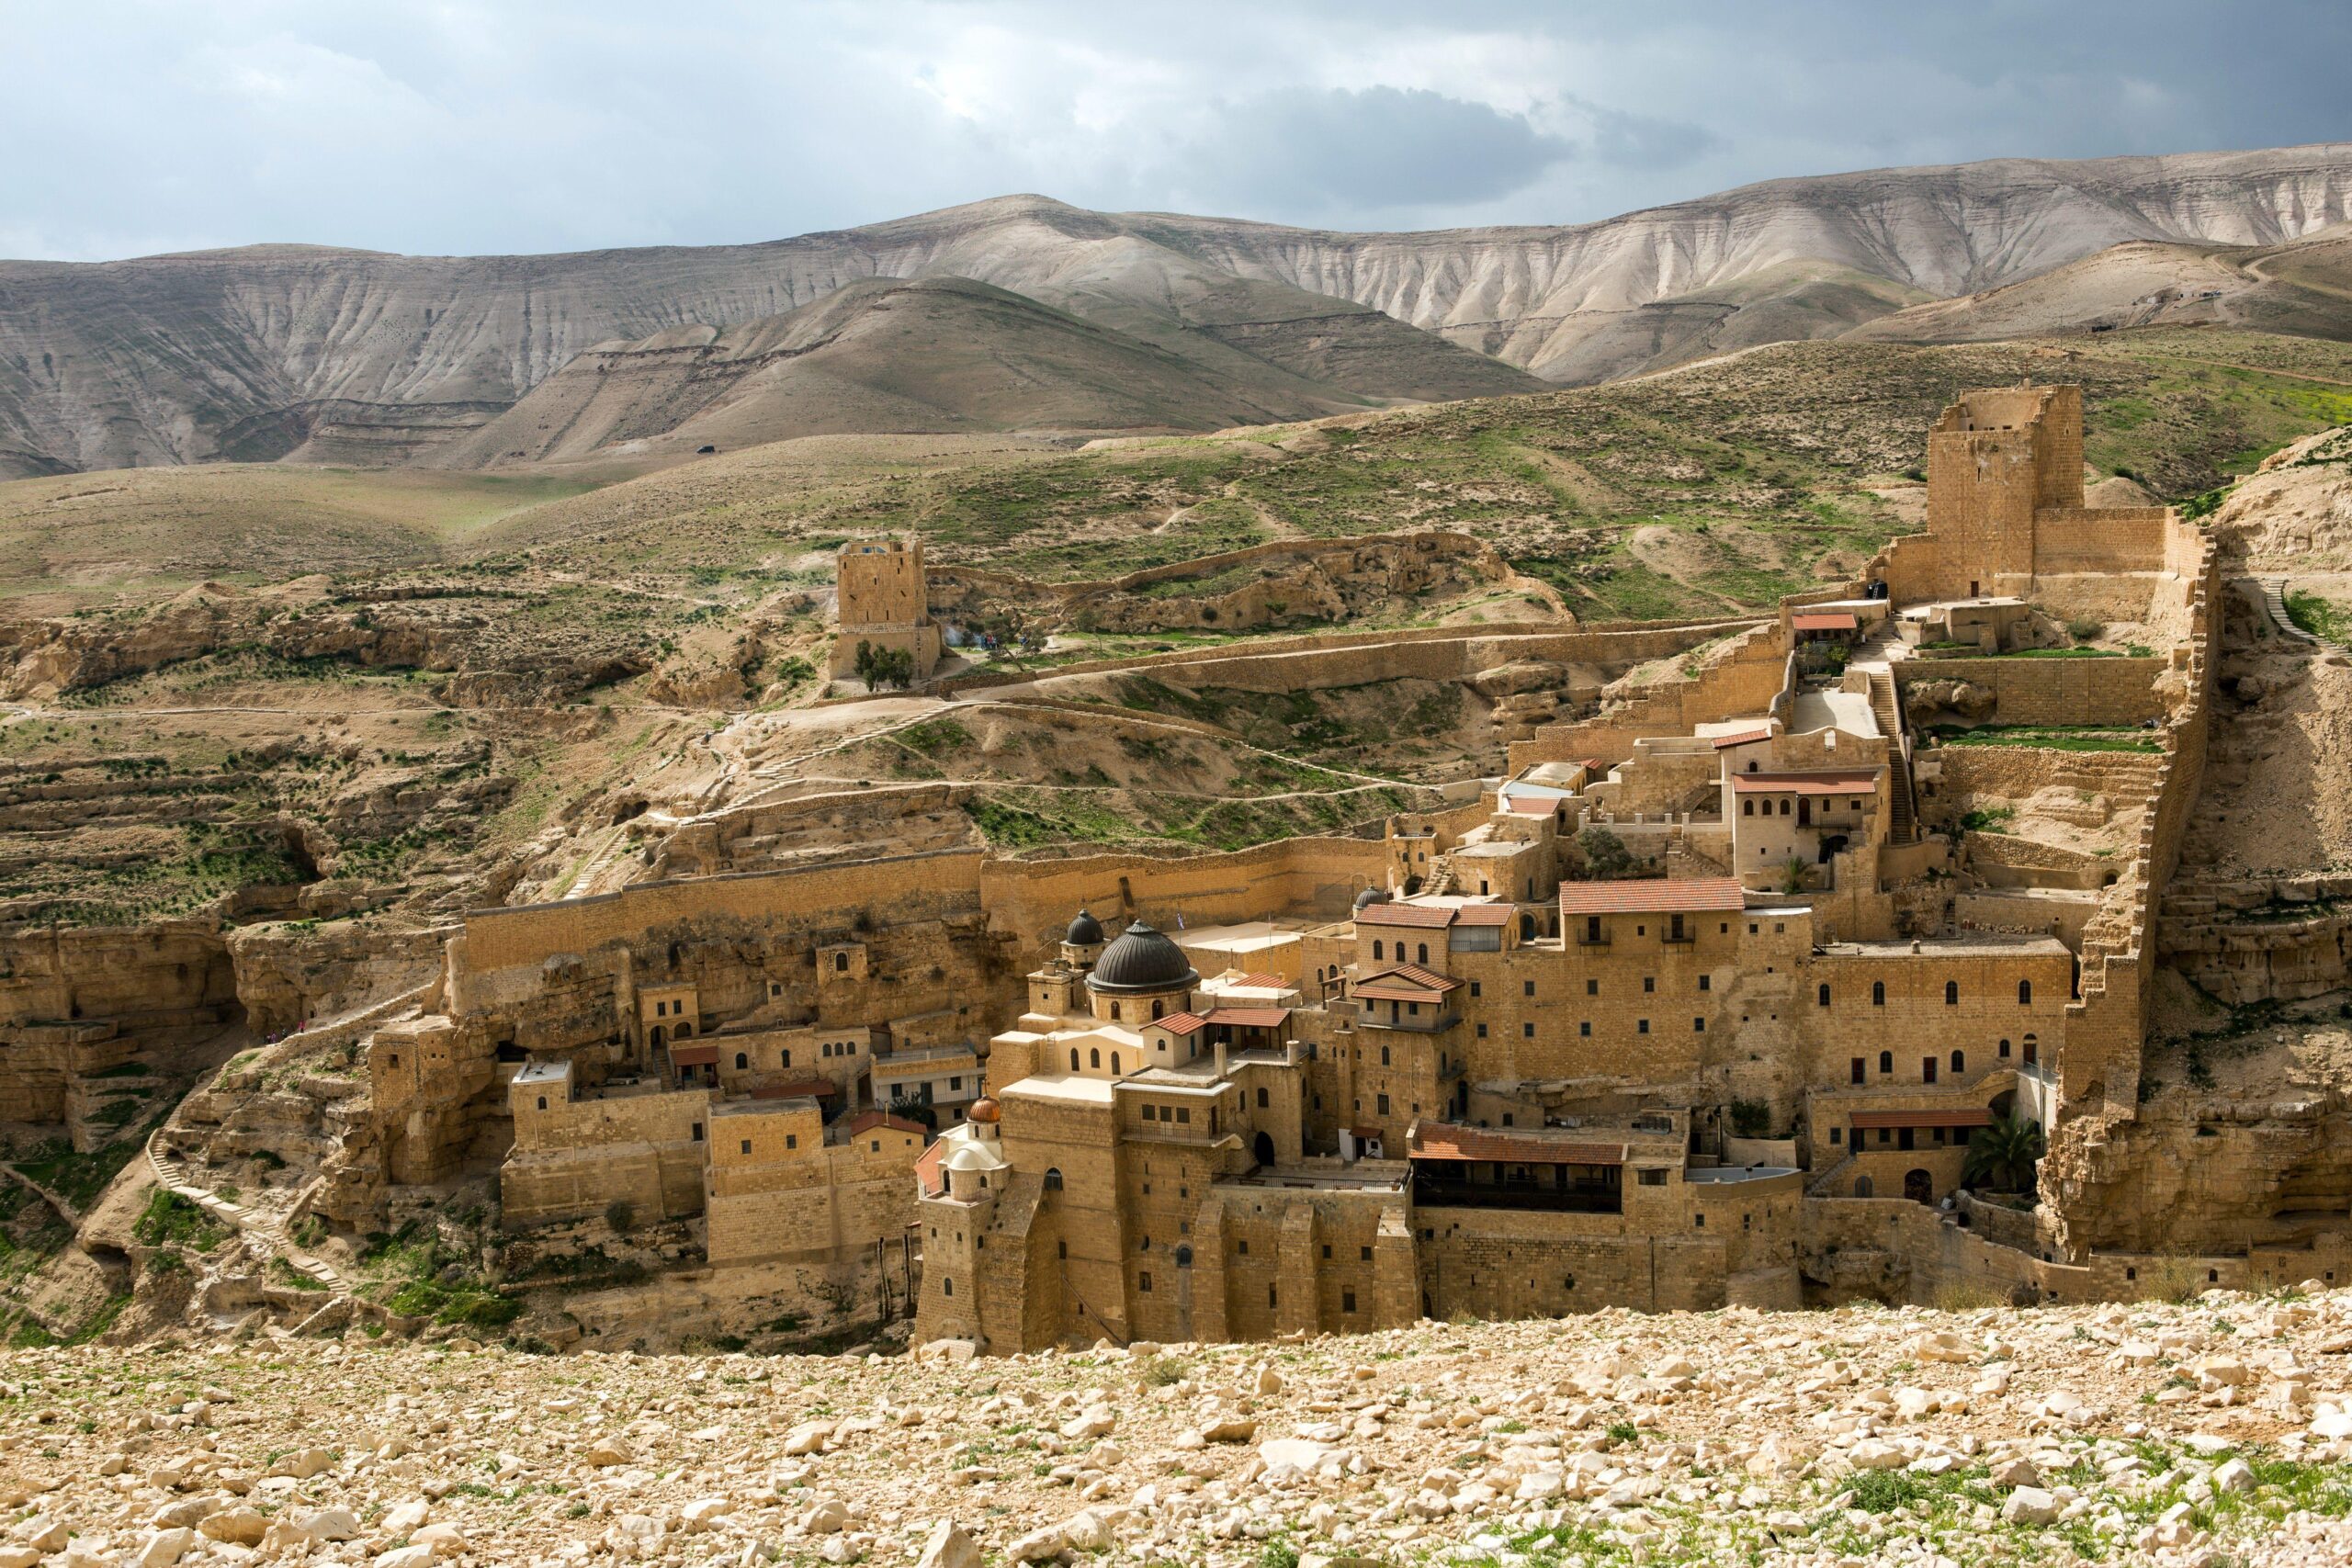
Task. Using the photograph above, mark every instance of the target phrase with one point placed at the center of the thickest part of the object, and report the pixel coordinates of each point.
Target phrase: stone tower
(1994, 458)
(880, 583)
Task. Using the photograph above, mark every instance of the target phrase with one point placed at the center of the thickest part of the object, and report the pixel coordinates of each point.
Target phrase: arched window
(1114, 1063)
(1184, 1256)
(1094, 1056)
(2025, 993)
(786, 1057)
(1747, 808)
(1951, 993)
(1960, 1061)
(1784, 808)
(2032, 1050)
(1825, 996)
(1423, 953)
(543, 1102)
(743, 1060)
(1114, 1018)
(1053, 1178)
(1878, 993)
(1375, 952)
(1384, 1055)
(1158, 1008)
(1073, 1059)
(1886, 1061)
(686, 1032)
(947, 1287)
(1262, 1100)
(2005, 1050)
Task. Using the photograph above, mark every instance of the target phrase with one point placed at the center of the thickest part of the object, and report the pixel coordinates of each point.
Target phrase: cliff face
(251, 354)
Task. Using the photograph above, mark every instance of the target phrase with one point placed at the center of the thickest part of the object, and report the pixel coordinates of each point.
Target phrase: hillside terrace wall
(1741, 684)
(893, 889)
(1033, 899)
(1354, 658)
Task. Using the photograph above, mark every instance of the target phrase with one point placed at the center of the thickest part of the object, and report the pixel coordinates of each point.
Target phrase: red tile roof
(1452, 1141)
(1744, 737)
(870, 1119)
(1251, 1018)
(1824, 621)
(1654, 895)
(1179, 1023)
(1404, 914)
(1406, 983)
(1819, 782)
(694, 1055)
(928, 1181)
(1484, 915)
(1972, 1116)
(1259, 983)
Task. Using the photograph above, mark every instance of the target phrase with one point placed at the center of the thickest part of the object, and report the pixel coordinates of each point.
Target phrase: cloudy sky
(473, 126)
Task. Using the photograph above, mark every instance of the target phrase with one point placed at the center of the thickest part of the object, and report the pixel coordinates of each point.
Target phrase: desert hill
(882, 356)
(257, 352)
(2303, 287)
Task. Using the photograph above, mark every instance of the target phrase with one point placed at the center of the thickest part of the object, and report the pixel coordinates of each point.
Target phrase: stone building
(1661, 1019)
(884, 605)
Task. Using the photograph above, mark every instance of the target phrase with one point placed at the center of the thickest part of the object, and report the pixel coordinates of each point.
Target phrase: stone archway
(1919, 1186)
(1262, 1148)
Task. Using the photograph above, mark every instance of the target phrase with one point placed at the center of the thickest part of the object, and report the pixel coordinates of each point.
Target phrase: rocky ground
(2212, 1430)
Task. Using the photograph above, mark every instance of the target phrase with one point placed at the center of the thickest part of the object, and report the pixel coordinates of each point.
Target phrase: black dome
(1369, 897)
(1142, 960)
(1084, 931)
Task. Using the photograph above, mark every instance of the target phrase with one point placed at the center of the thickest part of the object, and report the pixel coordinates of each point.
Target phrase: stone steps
(173, 1173)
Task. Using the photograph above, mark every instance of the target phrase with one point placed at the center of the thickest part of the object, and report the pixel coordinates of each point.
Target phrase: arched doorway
(1262, 1148)
(1862, 1187)
(655, 1038)
(1919, 1187)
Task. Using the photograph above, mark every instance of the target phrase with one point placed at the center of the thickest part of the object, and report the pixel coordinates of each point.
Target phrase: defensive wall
(888, 889)
(2069, 690)
(1356, 659)
(1742, 680)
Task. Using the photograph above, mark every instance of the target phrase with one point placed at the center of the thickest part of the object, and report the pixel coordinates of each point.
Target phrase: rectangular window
(1527, 987)
(747, 1145)
(1584, 1028)
(1482, 1032)
(1649, 985)
(1143, 1283)
(1640, 1026)
(1706, 982)
(1365, 1253)
(1649, 1177)
(792, 1140)
(1347, 1300)
(1184, 1113)
(1474, 987)
(1383, 1102)
(1592, 987)
(1527, 1031)
(1698, 1026)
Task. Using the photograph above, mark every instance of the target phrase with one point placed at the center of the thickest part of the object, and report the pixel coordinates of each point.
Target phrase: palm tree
(2003, 1154)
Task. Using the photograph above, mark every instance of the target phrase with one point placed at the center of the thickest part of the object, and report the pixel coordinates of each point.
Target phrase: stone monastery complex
(1701, 1002)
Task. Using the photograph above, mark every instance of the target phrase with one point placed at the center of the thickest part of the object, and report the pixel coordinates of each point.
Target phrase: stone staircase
(1822, 1185)
(1441, 876)
(1887, 705)
(2274, 599)
(172, 1174)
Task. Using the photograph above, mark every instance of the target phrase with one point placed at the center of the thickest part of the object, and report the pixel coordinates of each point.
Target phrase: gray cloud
(1349, 151)
(473, 126)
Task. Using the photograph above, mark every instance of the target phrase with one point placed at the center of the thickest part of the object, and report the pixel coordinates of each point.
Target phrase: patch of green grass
(170, 1220)
(2323, 618)
(2051, 737)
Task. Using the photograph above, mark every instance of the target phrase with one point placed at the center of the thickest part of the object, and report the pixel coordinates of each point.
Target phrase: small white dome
(971, 1156)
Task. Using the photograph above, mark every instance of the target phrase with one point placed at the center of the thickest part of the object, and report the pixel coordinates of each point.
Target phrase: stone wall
(2062, 690)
